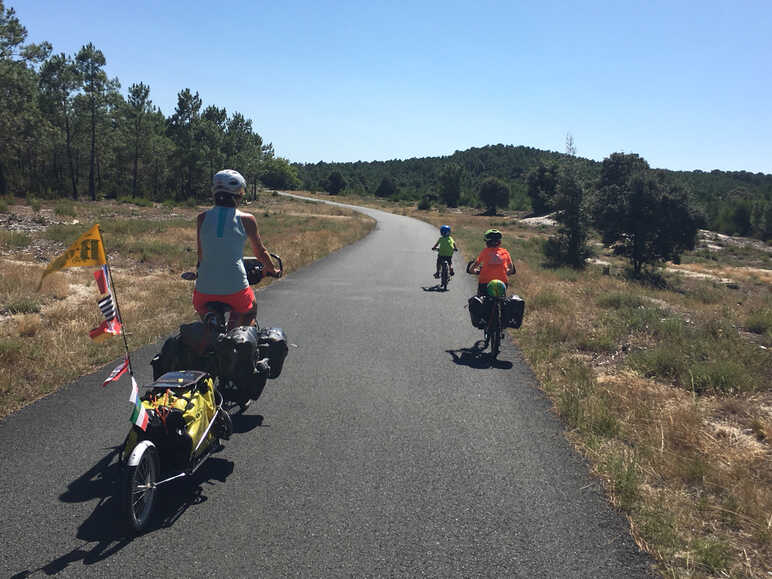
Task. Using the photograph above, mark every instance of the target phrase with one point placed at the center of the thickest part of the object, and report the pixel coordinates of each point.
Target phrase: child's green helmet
(497, 288)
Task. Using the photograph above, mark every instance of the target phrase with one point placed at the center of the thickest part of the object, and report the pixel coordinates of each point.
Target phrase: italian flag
(138, 415)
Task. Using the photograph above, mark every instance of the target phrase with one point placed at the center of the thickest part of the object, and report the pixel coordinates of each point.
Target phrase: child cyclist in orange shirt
(494, 262)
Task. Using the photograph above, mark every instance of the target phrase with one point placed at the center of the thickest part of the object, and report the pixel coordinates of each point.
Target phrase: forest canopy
(67, 130)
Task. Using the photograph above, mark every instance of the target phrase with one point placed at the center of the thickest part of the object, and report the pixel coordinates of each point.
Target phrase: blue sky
(687, 85)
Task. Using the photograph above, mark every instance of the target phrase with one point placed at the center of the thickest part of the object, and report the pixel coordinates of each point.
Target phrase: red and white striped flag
(119, 371)
(107, 328)
(112, 324)
(102, 278)
(107, 307)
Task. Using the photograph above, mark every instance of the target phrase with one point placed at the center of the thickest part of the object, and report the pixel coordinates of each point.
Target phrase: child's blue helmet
(445, 230)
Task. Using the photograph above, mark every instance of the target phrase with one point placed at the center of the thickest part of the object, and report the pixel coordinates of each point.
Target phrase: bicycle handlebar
(192, 275)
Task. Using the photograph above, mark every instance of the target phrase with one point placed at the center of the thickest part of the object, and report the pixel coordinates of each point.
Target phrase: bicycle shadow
(434, 288)
(105, 532)
(474, 357)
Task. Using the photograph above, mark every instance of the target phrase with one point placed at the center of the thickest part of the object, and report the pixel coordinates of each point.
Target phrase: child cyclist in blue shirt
(445, 247)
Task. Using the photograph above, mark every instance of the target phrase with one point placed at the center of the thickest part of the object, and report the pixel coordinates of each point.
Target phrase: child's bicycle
(444, 274)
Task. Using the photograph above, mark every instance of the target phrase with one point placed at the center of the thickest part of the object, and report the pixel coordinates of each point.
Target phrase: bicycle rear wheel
(445, 275)
(494, 331)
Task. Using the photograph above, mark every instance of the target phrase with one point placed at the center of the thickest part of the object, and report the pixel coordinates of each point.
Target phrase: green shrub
(599, 343)
(672, 330)
(14, 239)
(640, 319)
(760, 321)
(64, 233)
(712, 555)
(625, 479)
(710, 359)
(10, 350)
(65, 209)
(544, 300)
(662, 361)
(3, 205)
(619, 300)
(554, 335)
(659, 526)
(34, 204)
(564, 273)
(140, 201)
(23, 306)
(725, 376)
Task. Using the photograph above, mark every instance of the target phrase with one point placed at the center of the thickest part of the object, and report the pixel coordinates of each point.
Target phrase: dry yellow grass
(44, 341)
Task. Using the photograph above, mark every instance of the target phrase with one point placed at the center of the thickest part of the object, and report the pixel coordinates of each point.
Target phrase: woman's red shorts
(241, 302)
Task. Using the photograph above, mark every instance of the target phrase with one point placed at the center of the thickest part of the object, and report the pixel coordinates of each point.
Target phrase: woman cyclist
(494, 262)
(221, 234)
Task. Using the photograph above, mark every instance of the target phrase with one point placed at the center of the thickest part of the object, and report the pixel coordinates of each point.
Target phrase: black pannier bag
(237, 352)
(166, 357)
(174, 355)
(198, 337)
(513, 309)
(184, 351)
(272, 344)
(479, 311)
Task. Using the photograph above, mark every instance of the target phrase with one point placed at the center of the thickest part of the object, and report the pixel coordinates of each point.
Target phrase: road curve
(386, 449)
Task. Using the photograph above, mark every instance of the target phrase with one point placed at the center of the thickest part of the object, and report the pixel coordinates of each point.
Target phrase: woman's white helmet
(229, 182)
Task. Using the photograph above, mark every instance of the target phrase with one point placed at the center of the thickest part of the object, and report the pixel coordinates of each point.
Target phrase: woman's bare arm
(250, 227)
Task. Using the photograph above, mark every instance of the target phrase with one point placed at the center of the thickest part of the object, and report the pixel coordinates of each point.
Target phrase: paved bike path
(385, 450)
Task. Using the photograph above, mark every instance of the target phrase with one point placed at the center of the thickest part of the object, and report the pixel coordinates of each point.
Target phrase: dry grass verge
(44, 335)
(666, 390)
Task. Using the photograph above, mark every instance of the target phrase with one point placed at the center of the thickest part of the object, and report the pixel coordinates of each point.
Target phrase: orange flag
(88, 249)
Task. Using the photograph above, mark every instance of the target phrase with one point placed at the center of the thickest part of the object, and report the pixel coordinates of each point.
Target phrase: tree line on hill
(66, 130)
(731, 202)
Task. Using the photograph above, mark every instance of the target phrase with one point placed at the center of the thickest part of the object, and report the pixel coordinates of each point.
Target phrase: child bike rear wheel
(494, 330)
(445, 275)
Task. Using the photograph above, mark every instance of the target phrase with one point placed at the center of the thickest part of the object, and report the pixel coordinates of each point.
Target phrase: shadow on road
(105, 532)
(434, 288)
(245, 422)
(474, 357)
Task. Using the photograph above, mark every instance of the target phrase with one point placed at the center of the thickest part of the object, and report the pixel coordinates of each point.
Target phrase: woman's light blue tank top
(222, 235)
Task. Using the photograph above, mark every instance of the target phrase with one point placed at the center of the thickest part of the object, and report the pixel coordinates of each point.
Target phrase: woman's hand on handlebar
(472, 270)
(277, 273)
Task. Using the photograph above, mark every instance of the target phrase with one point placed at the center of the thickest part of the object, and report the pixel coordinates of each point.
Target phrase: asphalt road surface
(387, 448)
